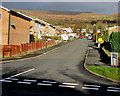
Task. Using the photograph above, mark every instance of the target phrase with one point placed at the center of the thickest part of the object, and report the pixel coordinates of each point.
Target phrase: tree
(79, 25)
(106, 36)
(101, 26)
(94, 32)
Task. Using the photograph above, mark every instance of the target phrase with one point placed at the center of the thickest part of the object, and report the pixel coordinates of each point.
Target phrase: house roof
(4, 8)
(40, 21)
(17, 13)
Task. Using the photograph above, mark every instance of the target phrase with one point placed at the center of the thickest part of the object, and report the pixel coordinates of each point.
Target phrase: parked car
(89, 37)
(81, 37)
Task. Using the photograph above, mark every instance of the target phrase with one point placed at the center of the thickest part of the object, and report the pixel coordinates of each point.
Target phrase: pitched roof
(16, 13)
(4, 8)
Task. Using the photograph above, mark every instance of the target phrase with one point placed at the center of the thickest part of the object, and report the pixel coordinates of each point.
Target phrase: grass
(105, 71)
(109, 53)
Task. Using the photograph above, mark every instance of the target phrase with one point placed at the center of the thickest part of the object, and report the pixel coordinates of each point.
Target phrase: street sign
(100, 40)
(114, 59)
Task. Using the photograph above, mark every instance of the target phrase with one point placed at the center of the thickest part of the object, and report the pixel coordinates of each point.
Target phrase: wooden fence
(10, 50)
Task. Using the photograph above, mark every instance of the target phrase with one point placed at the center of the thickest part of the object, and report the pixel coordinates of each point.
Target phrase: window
(0, 16)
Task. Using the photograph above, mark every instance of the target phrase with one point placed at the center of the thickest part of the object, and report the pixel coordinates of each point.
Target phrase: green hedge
(115, 41)
(53, 37)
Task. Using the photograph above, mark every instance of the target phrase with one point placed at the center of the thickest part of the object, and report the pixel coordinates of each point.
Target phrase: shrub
(115, 41)
(53, 37)
(106, 36)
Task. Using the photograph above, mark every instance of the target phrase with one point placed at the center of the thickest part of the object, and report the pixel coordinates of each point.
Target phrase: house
(68, 30)
(64, 37)
(49, 30)
(36, 29)
(114, 29)
(83, 30)
(15, 28)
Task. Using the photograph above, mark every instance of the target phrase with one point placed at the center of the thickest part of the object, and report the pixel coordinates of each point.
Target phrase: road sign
(114, 59)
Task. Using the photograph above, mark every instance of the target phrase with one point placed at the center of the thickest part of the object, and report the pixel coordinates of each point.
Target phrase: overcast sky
(97, 7)
(60, 0)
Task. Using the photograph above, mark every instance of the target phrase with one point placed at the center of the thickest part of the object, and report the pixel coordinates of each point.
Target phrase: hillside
(67, 18)
(59, 14)
(117, 14)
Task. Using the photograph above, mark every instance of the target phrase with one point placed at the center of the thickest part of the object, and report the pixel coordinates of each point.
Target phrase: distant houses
(18, 28)
(114, 29)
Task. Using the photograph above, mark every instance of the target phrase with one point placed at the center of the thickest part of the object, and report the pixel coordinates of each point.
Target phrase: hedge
(115, 41)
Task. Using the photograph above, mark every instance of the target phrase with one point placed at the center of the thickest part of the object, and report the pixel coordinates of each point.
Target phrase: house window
(0, 16)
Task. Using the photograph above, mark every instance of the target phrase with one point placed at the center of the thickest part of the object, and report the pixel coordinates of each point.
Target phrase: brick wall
(4, 29)
(20, 32)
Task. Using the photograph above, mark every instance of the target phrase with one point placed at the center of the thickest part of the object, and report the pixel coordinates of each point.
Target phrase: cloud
(60, 0)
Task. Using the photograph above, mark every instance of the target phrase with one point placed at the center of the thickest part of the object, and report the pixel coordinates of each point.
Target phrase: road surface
(59, 72)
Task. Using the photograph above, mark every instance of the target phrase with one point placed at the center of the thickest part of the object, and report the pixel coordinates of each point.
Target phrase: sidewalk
(94, 56)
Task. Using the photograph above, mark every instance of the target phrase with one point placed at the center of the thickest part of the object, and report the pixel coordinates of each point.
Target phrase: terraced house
(15, 27)
(36, 29)
(50, 30)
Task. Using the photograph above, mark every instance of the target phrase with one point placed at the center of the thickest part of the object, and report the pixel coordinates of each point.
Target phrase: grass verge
(105, 71)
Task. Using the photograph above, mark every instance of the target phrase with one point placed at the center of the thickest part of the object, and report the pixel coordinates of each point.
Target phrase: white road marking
(49, 82)
(3, 80)
(44, 84)
(91, 85)
(24, 82)
(12, 78)
(29, 80)
(66, 86)
(113, 90)
(75, 84)
(90, 88)
(22, 73)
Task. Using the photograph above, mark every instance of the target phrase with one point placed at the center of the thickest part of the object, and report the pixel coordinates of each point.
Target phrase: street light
(95, 33)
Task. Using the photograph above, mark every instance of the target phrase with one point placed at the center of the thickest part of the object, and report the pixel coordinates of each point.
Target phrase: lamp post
(95, 33)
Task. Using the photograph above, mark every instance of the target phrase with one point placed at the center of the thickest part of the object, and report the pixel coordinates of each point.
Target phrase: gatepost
(114, 59)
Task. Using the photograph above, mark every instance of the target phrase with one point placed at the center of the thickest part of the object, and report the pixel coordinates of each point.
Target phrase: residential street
(63, 65)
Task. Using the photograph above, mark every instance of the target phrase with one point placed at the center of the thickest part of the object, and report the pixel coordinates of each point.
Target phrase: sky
(110, 7)
(60, 0)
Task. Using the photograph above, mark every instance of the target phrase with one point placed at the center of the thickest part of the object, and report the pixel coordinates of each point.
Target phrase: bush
(53, 37)
(115, 41)
(56, 38)
(106, 36)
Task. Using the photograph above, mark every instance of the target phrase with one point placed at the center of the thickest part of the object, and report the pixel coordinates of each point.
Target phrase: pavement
(93, 57)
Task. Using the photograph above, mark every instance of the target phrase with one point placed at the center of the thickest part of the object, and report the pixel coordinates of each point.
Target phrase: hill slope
(59, 14)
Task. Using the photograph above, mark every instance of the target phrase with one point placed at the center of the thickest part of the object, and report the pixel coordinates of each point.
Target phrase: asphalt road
(59, 72)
